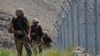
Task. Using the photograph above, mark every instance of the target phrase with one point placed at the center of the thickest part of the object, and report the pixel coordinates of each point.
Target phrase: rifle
(25, 35)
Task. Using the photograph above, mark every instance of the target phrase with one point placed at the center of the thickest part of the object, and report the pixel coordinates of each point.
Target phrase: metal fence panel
(80, 25)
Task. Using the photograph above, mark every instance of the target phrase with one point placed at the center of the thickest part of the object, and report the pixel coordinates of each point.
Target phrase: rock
(4, 21)
(6, 40)
(78, 51)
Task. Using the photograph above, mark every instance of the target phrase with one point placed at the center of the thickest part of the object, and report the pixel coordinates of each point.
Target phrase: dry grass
(49, 52)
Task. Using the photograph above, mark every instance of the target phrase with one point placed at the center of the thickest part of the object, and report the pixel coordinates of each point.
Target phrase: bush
(4, 53)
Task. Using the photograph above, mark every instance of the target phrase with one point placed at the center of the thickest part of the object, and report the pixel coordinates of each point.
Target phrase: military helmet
(20, 11)
(45, 32)
(35, 20)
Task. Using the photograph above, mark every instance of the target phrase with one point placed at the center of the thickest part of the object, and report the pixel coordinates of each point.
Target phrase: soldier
(36, 34)
(46, 40)
(20, 27)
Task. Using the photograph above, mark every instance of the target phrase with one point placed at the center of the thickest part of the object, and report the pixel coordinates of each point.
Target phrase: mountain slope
(45, 10)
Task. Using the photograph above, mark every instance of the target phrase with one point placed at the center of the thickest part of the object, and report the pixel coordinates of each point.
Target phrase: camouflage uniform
(19, 46)
(19, 42)
(36, 37)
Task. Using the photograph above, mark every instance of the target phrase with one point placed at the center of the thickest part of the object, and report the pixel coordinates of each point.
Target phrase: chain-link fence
(79, 24)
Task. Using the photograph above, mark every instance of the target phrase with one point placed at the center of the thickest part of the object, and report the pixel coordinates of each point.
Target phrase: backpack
(47, 39)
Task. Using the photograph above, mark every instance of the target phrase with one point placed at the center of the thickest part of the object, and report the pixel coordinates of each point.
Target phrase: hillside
(45, 10)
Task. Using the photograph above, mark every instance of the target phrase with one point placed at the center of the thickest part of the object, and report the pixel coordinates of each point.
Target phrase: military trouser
(19, 46)
(37, 46)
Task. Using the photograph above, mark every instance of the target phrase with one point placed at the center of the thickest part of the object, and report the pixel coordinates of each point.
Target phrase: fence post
(60, 36)
(96, 27)
(72, 20)
(78, 22)
(86, 28)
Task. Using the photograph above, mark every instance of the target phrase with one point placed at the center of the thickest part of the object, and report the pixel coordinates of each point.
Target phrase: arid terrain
(45, 10)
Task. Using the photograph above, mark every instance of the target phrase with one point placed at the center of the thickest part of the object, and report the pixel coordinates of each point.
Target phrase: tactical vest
(23, 24)
(37, 32)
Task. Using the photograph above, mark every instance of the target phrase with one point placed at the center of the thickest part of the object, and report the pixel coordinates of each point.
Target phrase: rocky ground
(6, 40)
(78, 51)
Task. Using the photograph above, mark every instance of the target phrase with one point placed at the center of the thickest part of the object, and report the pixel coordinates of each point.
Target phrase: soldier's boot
(40, 50)
(28, 48)
(29, 52)
(19, 53)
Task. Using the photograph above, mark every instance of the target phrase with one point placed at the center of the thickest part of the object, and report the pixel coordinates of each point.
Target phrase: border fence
(79, 24)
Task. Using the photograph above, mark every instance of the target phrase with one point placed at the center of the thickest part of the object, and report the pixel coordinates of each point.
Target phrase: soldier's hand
(29, 38)
(41, 40)
(32, 33)
(19, 32)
